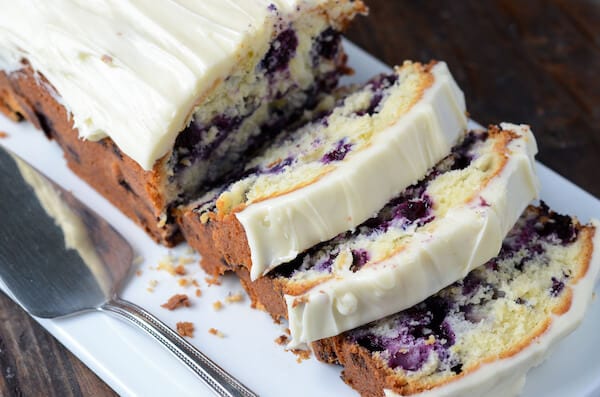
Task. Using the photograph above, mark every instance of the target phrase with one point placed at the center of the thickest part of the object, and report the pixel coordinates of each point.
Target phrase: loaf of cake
(480, 336)
(154, 101)
(332, 173)
(427, 237)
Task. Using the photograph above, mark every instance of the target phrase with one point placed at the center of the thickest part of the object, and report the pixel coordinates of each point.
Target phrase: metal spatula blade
(40, 220)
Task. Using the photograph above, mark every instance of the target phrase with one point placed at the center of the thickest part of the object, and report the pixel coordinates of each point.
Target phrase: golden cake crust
(25, 95)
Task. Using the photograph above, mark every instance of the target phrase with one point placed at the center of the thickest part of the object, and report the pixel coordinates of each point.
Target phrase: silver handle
(215, 377)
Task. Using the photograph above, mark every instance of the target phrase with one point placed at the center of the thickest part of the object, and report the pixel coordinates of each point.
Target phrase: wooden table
(534, 62)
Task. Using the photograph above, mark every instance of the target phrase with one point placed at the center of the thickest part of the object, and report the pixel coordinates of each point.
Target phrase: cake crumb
(185, 328)
(138, 272)
(138, 260)
(287, 331)
(281, 340)
(151, 285)
(166, 264)
(3, 134)
(232, 298)
(183, 282)
(195, 283)
(185, 260)
(107, 59)
(216, 332)
(301, 355)
(176, 301)
(217, 305)
(198, 292)
(180, 270)
(215, 280)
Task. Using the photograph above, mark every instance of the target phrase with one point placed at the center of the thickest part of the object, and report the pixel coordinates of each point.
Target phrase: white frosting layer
(279, 229)
(505, 378)
(466, 237)
(134, 69)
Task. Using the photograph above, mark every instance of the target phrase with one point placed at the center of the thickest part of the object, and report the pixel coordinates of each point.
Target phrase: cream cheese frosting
(506, 377)
(278, 229)
(465, 237)
(134, 70)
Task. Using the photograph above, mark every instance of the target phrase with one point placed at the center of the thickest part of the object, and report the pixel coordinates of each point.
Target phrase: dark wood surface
(534, 62)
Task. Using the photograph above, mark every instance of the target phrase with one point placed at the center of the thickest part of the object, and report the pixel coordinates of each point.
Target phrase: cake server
(70, 260)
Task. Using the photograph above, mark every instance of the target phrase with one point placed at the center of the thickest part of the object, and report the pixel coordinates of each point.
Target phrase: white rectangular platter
(134, 365)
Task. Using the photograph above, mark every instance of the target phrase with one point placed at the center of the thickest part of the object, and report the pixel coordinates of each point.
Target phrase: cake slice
(427, 237)
(155, 101)
(333, 173)
(480, 336)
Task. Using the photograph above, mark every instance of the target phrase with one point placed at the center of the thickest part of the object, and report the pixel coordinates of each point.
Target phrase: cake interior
(264, 93)
(492, 313)
(451, 183)
(342, 125)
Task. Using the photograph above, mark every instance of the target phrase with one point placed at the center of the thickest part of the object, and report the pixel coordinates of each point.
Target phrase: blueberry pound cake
(334, 172)
(427, 237)
(155, 101)
(480, 335)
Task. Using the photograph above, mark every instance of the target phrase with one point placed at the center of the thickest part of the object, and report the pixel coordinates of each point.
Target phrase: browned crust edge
(136, 192)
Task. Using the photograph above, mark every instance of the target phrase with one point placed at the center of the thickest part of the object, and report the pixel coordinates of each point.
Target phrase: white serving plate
(134, 365)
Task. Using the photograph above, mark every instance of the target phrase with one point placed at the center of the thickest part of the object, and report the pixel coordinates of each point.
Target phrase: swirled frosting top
(135, 69)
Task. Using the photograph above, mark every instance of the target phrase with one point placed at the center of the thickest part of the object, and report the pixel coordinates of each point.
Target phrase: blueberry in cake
(154, 101)
(427, 237)
(480, 335)
(332, 173)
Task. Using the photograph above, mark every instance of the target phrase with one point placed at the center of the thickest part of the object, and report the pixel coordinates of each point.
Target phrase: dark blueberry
(557, 287)
(471, 314)
(461, 161)
(272, 7)
(382, 81)
(457, 369)
(378, 85)
(561, 226)
(326, 45)
(520, 301)
(370, 342)
(375, 101)
(461, 154)
(492, 264)
(414, 210)
(325, 265)
(339, 153)
(327, 82)
(280, 53)
(359, 258)
(470, 284)
(411, 359)
(279, 166)
(195, 133)
(447, 334)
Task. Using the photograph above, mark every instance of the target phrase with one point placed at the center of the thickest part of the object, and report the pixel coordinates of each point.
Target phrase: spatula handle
(216, 378)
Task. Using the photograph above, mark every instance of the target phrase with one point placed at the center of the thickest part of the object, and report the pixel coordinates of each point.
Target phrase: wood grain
(533, 62)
